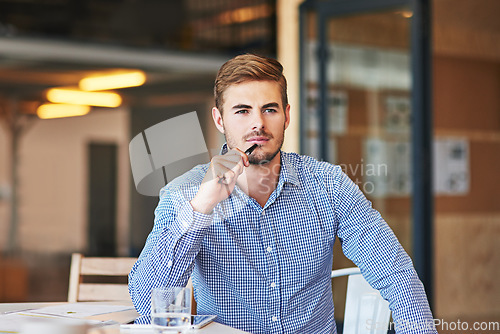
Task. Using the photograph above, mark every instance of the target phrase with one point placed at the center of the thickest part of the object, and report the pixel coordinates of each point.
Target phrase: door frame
(96, 169)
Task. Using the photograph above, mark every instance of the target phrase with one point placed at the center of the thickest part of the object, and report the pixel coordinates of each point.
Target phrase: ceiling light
(73, 96)
(405, 13)
(50, 110)
(245, 14)
(113, 81)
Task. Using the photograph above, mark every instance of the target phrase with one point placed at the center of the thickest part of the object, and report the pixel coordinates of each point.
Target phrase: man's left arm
(370, 243)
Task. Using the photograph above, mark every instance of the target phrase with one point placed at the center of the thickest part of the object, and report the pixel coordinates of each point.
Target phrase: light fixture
(73, 96)
(245, 14)
(113, 81)
(50, 110)
(405, 13)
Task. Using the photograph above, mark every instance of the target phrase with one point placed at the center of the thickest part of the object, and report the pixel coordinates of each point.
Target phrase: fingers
(229, 166)
(220, 180)
(243, 156)
(225, 174)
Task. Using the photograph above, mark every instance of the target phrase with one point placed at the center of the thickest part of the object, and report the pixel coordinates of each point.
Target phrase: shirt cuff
(189, 220)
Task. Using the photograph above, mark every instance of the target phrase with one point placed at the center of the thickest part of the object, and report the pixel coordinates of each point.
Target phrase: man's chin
(261, 159)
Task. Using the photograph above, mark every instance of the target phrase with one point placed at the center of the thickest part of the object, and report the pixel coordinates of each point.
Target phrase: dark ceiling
(52, 43)
(222, 26)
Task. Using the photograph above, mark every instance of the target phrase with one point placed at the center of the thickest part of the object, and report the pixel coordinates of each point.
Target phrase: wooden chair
(98, 266)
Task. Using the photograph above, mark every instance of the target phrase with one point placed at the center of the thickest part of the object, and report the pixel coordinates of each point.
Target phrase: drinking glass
(171, 310)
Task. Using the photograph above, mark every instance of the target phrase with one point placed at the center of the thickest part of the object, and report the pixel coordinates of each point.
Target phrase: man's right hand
(220, 179)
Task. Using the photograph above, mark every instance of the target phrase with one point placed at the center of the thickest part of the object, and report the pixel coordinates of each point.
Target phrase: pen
(251, 149)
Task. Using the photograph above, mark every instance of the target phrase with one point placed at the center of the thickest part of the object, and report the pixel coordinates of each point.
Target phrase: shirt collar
(287, 173)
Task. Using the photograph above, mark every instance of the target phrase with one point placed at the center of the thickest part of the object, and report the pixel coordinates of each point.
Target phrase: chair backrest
(98, 266)
(193, 301)
(366, 312)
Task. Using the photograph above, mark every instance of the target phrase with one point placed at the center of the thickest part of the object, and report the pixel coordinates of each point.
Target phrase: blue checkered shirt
(267, 269)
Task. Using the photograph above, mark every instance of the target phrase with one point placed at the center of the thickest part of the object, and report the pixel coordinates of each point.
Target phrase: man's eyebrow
(270, 105)
(241, 106)
(265, 106)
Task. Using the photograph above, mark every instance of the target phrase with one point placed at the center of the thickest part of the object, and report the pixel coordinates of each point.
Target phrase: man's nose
(257, 121)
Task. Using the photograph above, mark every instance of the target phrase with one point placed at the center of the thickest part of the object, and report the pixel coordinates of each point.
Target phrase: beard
(258, 157)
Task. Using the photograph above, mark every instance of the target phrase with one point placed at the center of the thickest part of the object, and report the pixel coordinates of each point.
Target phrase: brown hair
(248, 67)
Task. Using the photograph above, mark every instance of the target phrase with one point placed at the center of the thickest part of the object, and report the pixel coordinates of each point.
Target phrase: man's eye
(242, 111)
(270, 110)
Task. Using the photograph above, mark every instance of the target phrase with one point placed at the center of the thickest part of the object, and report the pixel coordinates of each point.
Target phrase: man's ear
(217, 116)
(287, 116)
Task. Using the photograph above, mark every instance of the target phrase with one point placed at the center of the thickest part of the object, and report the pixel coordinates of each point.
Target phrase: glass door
(365, 124)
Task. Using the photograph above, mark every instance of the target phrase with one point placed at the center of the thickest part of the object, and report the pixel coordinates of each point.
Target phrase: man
(256, 232)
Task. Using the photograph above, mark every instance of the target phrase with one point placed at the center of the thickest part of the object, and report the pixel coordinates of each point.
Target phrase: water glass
(171, 310)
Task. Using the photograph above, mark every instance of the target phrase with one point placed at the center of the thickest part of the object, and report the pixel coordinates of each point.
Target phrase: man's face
(253, 114)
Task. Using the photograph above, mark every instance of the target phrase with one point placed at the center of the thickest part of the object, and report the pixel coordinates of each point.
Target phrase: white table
(121, 317)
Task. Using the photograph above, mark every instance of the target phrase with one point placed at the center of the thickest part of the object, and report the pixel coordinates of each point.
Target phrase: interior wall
(53, 180)
(466, 28)
(467, 227)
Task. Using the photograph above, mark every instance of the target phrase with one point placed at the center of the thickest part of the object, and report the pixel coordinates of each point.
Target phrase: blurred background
(403, 94)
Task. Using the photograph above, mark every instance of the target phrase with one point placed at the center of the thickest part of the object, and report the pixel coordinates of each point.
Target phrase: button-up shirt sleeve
(369, 242)
(168, 255)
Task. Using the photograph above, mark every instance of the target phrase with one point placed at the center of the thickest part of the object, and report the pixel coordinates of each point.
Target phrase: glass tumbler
(171, 310)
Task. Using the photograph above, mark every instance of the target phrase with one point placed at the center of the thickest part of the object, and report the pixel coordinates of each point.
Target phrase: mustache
(260, 133)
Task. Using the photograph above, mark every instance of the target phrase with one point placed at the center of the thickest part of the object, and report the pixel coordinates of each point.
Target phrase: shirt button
(274, 318)
(269, 249)
(169, 263)
(273, 285)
